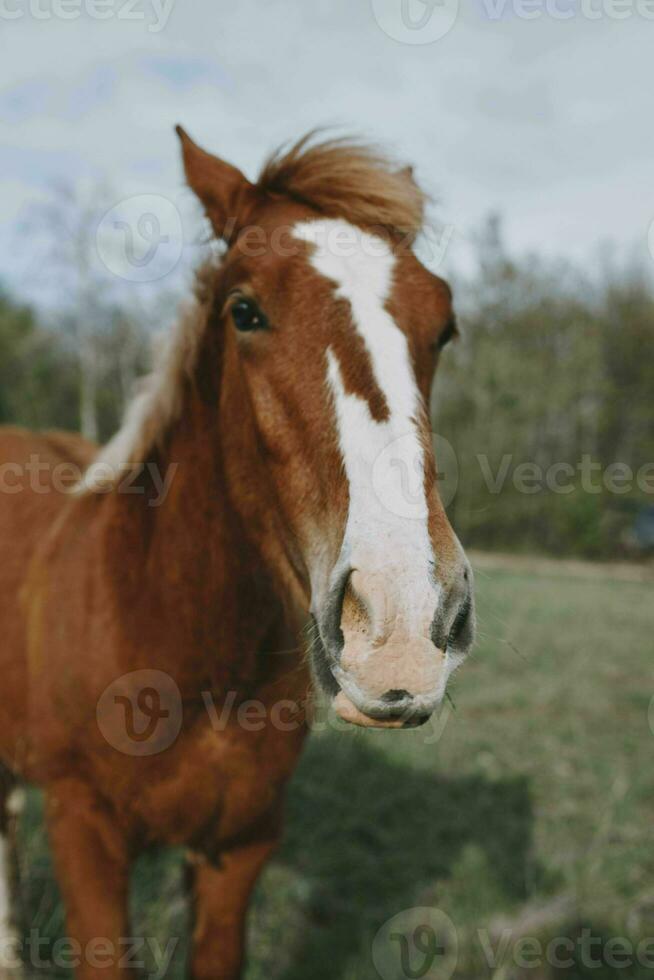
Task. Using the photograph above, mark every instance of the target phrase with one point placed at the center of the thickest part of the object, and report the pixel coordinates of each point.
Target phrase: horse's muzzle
(388, 645)
(396, 686)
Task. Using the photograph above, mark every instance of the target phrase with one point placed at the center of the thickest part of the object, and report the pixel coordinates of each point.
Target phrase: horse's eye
(247, 315)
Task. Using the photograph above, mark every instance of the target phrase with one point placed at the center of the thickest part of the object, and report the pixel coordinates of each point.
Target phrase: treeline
(545, 399)
(42, 370)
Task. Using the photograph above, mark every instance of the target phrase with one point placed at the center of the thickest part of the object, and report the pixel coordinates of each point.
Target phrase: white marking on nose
(384, 461)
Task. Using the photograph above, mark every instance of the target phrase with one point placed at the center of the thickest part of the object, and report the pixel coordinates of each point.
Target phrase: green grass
(527, 808)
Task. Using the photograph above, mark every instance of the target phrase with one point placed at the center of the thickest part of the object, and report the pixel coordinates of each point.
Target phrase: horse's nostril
(392, 697)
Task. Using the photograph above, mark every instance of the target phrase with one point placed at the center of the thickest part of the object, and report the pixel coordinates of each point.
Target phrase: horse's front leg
(221, 897)
(91, 860)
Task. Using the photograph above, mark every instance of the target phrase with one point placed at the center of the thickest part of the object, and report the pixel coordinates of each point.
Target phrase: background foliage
(550, 368)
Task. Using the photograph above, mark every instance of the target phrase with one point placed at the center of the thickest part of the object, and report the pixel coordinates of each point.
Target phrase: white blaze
(386, 528)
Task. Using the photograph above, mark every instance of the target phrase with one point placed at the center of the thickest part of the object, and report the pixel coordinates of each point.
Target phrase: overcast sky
(540, 110)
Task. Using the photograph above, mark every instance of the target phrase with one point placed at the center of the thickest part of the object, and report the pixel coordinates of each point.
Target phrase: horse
(156, 680)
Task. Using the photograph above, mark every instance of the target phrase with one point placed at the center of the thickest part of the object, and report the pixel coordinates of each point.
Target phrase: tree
(38, 379)
(66, 227)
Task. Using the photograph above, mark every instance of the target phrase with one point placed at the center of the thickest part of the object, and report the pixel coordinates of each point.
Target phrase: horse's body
(196, 598)
(73, 601)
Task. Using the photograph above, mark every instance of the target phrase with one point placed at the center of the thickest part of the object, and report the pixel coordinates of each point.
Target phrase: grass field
(525, 812)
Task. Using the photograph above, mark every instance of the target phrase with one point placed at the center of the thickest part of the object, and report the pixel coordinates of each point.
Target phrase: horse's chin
(346, 710)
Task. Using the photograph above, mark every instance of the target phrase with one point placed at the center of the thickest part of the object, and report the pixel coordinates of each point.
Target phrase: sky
(538, 109)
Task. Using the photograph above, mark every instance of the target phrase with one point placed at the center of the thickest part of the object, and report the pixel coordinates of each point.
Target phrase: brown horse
(153, 678)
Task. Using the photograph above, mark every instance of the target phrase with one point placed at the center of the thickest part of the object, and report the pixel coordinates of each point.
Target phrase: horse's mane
(159, 397)
(348, 179)
(337, 178)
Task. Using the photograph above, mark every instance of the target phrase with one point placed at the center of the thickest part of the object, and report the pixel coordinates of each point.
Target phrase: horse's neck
(197, 598)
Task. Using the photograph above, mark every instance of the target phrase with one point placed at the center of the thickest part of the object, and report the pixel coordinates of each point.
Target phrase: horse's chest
(216, 785)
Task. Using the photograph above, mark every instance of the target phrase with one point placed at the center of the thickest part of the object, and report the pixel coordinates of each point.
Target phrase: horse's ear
(409, 175)
(224, 191)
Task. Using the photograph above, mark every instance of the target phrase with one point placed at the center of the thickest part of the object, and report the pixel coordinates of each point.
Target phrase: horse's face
(334, 333)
